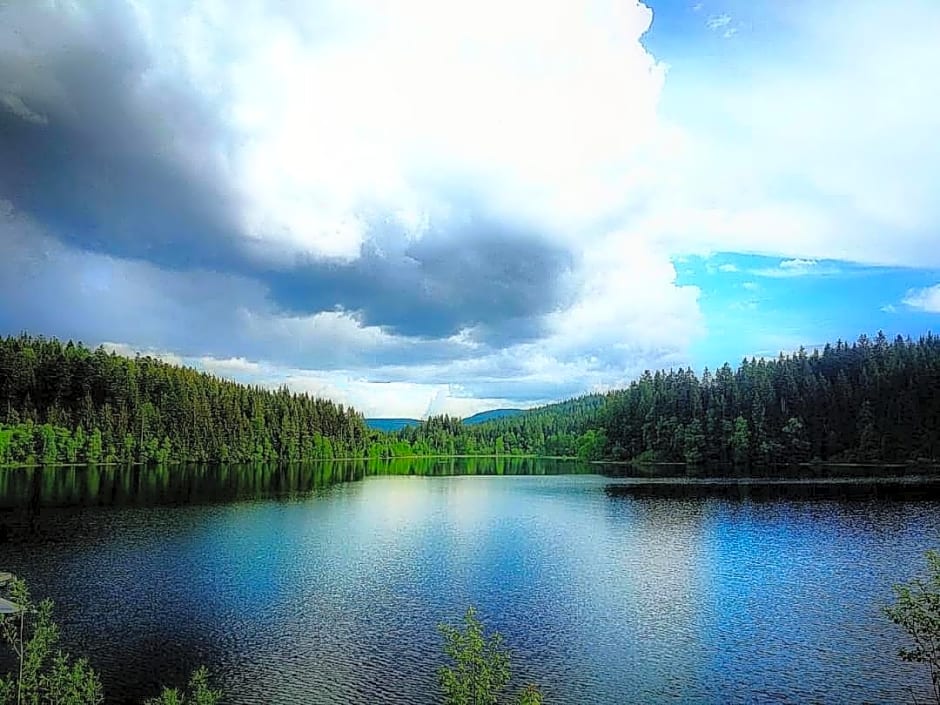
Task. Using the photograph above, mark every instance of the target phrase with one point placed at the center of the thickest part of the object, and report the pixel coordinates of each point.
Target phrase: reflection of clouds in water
(391, 503)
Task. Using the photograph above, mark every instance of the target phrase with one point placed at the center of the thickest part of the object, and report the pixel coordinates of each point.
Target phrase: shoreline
(656, 467)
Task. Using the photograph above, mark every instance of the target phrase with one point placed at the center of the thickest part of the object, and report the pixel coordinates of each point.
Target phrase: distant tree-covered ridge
(566, 429)
(874, 400)
(392, 424)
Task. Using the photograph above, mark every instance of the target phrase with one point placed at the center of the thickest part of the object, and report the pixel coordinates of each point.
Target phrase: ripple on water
(333, 596)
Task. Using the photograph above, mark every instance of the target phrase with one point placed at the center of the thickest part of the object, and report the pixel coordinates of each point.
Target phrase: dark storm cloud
(50, 288)
(101, 148)
(492, 278)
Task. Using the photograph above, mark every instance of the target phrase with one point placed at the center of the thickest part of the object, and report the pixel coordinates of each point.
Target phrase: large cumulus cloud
(115, 148)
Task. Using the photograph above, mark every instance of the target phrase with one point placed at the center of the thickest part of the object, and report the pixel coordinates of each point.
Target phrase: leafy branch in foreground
(481, 669)
(199, 692)
(45, 675)
(917, 611)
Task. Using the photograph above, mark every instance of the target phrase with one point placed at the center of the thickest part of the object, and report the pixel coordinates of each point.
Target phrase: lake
(324, 583)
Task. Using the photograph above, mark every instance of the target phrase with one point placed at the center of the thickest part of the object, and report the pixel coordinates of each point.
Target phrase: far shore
(655, 466)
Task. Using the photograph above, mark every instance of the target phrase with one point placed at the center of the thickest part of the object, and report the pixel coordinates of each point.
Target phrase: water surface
(323, 584)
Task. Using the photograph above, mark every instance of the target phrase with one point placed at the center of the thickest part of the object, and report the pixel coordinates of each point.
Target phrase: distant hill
(491, 415)
(390, 425)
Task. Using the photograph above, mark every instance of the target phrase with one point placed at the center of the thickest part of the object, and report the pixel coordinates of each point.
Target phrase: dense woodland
(566, 429)
(66, 403)
(872, 400)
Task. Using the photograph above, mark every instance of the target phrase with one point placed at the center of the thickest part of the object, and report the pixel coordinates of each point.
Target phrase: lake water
(322, 584)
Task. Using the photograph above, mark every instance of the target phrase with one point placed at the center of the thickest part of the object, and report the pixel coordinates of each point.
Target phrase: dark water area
(757, 490)
(324, 583)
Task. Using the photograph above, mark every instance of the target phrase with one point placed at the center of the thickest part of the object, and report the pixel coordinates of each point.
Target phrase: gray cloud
(55, 289)
(100, 147)
(492, 278)
(112, 155)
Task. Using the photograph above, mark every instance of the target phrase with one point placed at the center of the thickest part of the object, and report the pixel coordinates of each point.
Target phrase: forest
(873, 400)
(68, 404)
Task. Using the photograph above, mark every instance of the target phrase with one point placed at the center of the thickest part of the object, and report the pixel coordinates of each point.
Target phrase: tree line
(566, 429)
(873, 400)
(68, 404)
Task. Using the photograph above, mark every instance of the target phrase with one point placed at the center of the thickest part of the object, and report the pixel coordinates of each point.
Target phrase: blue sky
(755, 307)
(421, 207)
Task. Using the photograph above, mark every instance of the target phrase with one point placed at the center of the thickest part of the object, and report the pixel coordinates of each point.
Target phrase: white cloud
(823, 148)
(340, 330)
(230, 368)
(716, 22)
(712, 267)
(797, 268)
(126, 350)
(628, 295)
(387, 399)
(798, 264)
(537, 107)
(927, 299)
(15, 105)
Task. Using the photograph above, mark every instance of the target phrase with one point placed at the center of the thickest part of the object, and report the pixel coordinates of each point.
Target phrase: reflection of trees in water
(756, 490)
(22, 489)
(472, 465)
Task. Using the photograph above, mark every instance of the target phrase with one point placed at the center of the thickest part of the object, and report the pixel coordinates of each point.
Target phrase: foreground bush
(480, 670)
(917, 611)
(46, 675)
(199, 692)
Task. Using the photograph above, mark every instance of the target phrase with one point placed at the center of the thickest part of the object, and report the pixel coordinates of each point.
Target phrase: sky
(444, 206)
